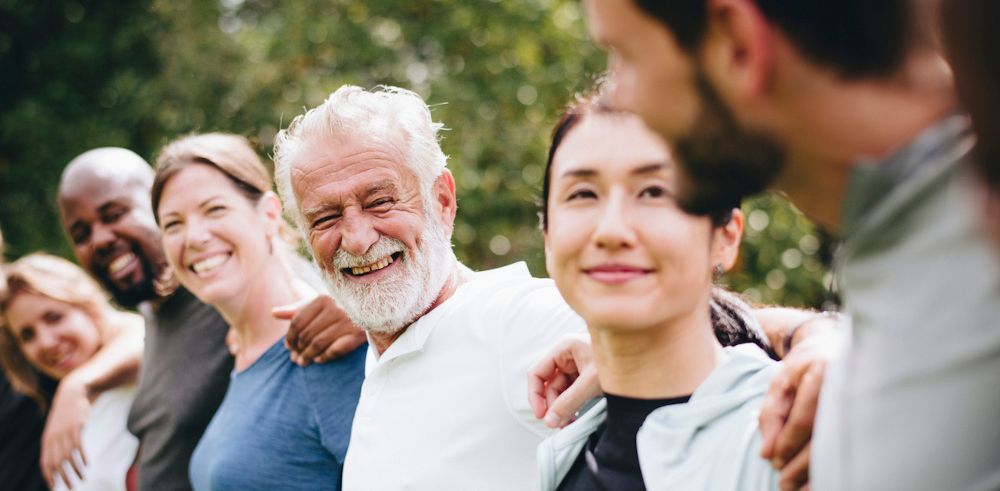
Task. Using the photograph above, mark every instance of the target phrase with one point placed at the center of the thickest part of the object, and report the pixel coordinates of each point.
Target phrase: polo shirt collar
(416, 335)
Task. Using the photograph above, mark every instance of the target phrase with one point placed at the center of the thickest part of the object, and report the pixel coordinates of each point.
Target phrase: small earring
(718, 270)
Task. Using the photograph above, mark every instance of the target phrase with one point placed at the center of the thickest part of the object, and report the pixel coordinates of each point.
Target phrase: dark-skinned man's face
(110, 222)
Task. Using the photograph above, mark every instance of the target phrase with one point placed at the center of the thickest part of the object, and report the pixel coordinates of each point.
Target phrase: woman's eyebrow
(650, 168)
(580, 173)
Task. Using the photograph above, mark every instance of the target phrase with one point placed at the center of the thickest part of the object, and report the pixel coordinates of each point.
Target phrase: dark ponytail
(734, 323)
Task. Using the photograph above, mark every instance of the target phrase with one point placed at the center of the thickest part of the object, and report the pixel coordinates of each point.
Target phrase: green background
(80, 74)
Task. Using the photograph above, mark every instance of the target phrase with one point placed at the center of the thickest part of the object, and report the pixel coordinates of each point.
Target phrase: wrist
(79, 383)
(828, 320)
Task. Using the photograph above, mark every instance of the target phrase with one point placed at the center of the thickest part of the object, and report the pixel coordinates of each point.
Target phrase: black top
(21, 424)
(185, 373)
(609, 461)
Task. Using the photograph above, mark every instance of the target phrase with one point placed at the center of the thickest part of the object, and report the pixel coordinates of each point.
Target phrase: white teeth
(372, 267)
(58, 358)
(120, 262)
(209, 264)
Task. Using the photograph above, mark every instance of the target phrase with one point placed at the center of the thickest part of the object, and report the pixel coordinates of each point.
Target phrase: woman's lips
(615, 274)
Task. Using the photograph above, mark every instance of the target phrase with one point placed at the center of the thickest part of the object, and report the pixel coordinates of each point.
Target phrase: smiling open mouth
(121, 262)
(373, 267)
(209, 264)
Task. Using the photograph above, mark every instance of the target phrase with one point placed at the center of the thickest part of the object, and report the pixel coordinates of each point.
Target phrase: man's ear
(444, 196)
(726, 241)
(738, 50)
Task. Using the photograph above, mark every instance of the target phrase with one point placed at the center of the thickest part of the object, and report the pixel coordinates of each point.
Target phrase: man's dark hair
(857, 38)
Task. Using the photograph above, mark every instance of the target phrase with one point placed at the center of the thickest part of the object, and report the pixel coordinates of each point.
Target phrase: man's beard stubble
(722, 163)
(134, 294)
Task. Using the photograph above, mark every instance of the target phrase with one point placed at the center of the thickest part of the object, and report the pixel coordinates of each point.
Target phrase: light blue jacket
(711, 442)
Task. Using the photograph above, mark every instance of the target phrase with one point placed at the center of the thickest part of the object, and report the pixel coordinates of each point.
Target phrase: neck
(831, 124)
(250, 315)
(459, 275)
(670, 360)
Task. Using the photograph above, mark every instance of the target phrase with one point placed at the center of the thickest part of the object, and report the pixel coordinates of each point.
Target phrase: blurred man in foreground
(846, 107)
(968, 29)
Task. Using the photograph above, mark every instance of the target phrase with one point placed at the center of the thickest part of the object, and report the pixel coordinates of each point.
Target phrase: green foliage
(81, 74)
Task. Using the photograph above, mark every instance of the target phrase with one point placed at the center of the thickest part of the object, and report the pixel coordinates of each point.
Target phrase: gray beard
(396, 301)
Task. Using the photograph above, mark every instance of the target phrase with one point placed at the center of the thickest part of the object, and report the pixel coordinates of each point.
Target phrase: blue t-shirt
(281, 426)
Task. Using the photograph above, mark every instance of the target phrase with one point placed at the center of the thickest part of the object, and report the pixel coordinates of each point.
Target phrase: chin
(55, 373)
(616, 313)
(615, 321)
(213, 294)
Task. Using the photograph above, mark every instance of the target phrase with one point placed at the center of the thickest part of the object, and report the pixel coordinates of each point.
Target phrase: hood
(732, 393)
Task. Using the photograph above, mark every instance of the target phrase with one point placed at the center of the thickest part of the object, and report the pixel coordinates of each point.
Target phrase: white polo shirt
(446, 406)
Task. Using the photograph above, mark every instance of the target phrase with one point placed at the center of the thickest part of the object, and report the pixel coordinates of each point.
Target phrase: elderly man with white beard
(444, 403)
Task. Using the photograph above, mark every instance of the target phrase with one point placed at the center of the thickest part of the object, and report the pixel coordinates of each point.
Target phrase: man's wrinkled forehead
(328, 154)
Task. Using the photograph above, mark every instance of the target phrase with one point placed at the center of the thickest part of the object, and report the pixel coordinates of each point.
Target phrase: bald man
(104, 202)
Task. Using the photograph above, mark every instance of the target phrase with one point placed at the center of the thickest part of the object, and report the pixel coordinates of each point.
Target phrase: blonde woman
(55, 319)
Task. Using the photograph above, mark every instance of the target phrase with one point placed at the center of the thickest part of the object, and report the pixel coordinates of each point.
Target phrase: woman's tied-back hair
(230, 154)
(734, 323)
(55, 278)
(352, 113)
(233, 156)
(732, 319)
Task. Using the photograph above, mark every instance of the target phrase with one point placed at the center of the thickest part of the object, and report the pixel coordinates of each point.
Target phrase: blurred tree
(75, 75)
(83, 74)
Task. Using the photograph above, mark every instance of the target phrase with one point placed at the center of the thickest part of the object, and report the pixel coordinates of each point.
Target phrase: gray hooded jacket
(711, 442)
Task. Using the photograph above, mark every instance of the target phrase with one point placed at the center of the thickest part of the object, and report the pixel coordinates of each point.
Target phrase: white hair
(353, 112)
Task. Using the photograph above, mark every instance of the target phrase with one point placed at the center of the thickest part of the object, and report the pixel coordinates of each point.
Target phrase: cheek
(173, 246)
(407, 228)
(32, 352)
(566, 239)
(81, 327)
(324, 244)
(623, 87)
(82, 253)
(681, 243)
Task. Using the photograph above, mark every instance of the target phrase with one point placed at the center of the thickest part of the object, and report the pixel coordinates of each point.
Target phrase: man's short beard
(136, 293)
(722, 163)
(396, 301)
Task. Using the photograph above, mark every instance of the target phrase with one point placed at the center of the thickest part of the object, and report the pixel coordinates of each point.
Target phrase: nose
(45, 339)
(358, 234)
(614, 230)
(196, 234)
(102, 237)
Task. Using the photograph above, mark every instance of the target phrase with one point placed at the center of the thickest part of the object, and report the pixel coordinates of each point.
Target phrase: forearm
(785, 326)
(117, 362)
